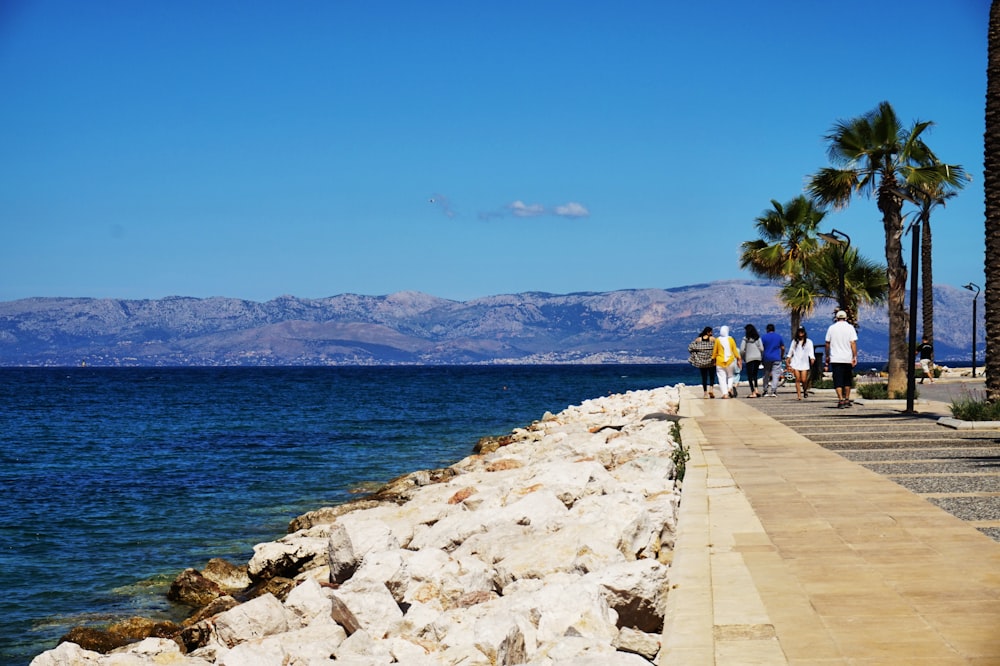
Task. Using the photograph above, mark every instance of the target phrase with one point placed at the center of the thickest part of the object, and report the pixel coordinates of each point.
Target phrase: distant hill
(629, 326)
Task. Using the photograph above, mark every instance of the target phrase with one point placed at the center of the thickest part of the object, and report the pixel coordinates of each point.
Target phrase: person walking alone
(774, 351)
(801, 357)
(926, 352)
(842, 356)
(752, 350)
(700, 356)
(727, 361)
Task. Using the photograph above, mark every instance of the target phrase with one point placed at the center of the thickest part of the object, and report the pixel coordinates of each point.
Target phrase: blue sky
(463, 149)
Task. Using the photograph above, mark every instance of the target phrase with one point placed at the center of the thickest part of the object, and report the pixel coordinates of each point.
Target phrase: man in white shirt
(841, 357)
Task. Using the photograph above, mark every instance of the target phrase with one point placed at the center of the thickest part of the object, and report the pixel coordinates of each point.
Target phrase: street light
(975, 288)
(911, 372)
(837, 237)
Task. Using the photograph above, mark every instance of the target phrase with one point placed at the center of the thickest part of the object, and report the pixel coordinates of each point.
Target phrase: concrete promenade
(789, 552)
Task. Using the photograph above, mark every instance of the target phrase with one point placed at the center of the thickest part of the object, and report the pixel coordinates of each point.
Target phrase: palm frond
(834, 187)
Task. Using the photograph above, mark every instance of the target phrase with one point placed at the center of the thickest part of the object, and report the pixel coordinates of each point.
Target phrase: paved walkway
(789, 553)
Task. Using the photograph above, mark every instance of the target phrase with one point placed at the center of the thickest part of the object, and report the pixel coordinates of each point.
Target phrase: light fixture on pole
(973, 287)
(837, 237)
(911, 373)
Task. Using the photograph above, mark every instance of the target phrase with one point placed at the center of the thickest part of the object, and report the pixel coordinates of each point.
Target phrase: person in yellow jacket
(727, 361)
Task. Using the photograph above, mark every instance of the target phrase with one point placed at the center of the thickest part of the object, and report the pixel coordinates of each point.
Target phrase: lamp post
(837, 237)
(911, 373)
(973, 287)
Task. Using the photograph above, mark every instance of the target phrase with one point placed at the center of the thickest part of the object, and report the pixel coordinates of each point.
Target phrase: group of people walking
(721, 360)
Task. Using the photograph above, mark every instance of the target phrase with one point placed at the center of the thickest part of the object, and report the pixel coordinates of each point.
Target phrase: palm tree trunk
(892, 219)
(926, 279)
(991, 186)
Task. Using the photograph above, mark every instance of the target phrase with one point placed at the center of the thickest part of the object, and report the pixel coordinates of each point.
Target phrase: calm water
(114, 480)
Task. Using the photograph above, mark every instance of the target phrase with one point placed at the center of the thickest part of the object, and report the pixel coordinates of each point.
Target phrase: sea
(114, 480)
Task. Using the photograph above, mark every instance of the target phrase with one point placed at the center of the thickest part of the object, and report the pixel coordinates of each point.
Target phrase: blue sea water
(116, 479)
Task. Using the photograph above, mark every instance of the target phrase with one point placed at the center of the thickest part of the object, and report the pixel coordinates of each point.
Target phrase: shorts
(843, 374)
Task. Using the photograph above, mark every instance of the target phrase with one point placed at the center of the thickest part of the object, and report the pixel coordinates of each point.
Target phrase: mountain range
(627, 326)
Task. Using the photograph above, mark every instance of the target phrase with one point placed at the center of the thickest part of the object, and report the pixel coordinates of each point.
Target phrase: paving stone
(911, 450)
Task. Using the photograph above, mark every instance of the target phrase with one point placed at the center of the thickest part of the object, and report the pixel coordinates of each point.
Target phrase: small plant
(877, 391)
(823, 384)
(975, 407)
(880, 391)
(680, 455)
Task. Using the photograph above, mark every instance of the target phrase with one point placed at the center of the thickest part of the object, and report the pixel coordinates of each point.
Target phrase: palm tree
(928, 196)
(876, 155)
(991, 186)
(786, 245)
(864, 281)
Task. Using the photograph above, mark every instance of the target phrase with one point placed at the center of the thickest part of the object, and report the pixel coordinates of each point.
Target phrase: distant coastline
(410, 328)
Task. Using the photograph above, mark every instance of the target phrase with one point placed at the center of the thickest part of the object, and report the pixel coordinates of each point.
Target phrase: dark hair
(802, 330)
(770, 328)
(751, 332)
(705, 331)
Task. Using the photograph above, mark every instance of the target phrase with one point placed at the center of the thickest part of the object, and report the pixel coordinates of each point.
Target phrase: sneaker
(841, 404)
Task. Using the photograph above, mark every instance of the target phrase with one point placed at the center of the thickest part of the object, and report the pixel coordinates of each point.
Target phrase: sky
(463, 149)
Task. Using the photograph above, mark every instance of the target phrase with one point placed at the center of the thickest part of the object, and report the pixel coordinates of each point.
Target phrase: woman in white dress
(801, 357)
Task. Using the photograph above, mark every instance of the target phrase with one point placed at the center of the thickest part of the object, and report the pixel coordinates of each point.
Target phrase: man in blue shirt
(774, 351)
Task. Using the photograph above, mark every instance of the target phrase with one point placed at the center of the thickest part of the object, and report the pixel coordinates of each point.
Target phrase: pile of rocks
(550, 546)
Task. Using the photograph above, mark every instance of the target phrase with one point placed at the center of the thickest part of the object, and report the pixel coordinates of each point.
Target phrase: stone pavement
(797, 543)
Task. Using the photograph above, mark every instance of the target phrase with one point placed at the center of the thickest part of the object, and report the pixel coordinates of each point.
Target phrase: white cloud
(572, 209)
(518, 208)
(521, 209)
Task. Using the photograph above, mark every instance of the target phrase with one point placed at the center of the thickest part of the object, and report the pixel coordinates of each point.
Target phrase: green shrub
(880, 391)
(823, 384)
(975, 407)
(680, 455)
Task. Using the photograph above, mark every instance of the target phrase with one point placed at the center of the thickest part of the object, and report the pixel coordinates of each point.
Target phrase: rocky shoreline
(551, 545)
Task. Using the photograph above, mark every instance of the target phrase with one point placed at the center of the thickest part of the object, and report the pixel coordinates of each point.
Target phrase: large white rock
(434, 577)
(288, 555)
(568, 604)
(619, 519)
(309, 600)
(351, 538)
(501, 641)
(381, 565)
(541, 510)
(637, 591)
(66, 654)
(150, 651)
(314, 644)
(569, 482)
(429, 504)
(411, 653)
(638, 642)
(573, 549)
(361, 649)
(257, 618)
(369, 605)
